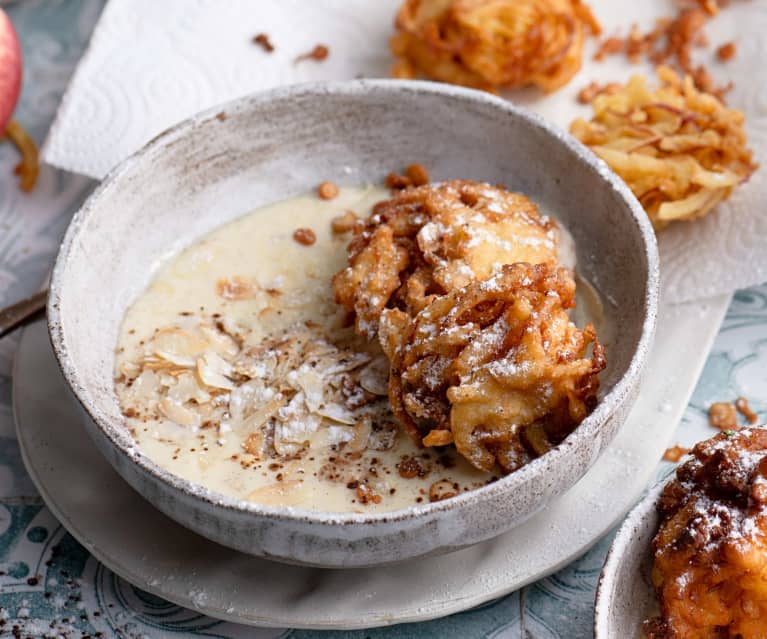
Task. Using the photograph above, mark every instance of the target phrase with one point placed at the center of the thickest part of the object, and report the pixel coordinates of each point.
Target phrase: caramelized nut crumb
(319, 53)
(723, 416)
(327, 190)
(264, 42)
(587, 94)
(744, 409)
(438, 438)
(417, 174)
(443, 489)
(410, 468)
(675, 453)
(397, 182)
(344, 223)
(726, 51)
(366, 495)
(609, 46)
(304, 236)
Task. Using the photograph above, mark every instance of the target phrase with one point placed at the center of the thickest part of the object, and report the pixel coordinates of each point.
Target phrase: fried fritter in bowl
(429, 240)
(710, 568)
(492, 44)
(497, 366)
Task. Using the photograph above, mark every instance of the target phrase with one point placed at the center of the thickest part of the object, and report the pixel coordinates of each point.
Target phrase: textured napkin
(151, 64)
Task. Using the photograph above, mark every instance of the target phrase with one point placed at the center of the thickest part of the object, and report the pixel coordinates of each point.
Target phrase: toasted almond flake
(144, 389)
(348, 362)
(221, 342)
(362, 430)
(291, 434)
(262, 414)
(338, 413)
(170, 358)
(178, 343)
(185, 389)
(212, 371)
(179, 414)
(374, 378)
(311, 382)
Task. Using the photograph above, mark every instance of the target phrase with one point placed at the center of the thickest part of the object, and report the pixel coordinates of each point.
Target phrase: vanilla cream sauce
(259, 247)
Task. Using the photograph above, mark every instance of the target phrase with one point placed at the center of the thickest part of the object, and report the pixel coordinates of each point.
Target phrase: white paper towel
(151, 64)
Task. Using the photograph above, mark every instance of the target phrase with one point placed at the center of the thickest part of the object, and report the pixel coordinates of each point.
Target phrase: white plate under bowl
(143, 546)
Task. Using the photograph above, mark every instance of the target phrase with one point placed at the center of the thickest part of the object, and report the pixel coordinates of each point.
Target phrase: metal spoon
(21, 312)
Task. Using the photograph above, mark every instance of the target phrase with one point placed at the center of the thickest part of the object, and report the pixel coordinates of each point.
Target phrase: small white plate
(143, 546)
(625, 596)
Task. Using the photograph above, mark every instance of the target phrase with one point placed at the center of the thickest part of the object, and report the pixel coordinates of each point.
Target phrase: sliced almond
(178, 345)
(186, 389)
(362, 430)
(338, 413)
(212, 370)
(178, 413)
(374, 378)
(222, 343)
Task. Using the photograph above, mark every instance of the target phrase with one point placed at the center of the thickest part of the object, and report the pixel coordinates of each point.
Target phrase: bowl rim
(622, 542)
(351, 88)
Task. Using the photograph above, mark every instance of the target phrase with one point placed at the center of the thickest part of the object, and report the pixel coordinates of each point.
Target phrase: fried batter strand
(462, 284)
(680, 150)
(430, 240)
(492, 44)
(498, 363)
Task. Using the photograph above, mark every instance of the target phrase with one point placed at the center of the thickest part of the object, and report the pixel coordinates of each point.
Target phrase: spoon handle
(17, 314)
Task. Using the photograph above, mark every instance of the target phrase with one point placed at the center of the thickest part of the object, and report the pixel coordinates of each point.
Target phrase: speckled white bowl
(227, 161)
(625, 596)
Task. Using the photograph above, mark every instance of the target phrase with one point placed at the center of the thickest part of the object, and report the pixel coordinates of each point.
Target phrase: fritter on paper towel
(492, 44)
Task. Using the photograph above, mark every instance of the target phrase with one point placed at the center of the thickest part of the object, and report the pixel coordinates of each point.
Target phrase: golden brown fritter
(497, 363)
(430, 240)
(679, 149)
(492, 44)
(710, 569)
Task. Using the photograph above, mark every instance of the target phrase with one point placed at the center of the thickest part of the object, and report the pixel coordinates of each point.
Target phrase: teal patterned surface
(51, 587)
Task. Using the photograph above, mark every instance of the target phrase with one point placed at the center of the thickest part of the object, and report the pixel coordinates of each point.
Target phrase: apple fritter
(710, 567)
(680, 150)
(427, 241)
(497, 364)
(492, 44)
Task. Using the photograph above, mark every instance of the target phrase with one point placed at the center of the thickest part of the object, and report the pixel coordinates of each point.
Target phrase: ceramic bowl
(625, 595)
(227, 161)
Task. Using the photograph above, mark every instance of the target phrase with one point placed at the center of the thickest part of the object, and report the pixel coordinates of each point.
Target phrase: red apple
(10, 69)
